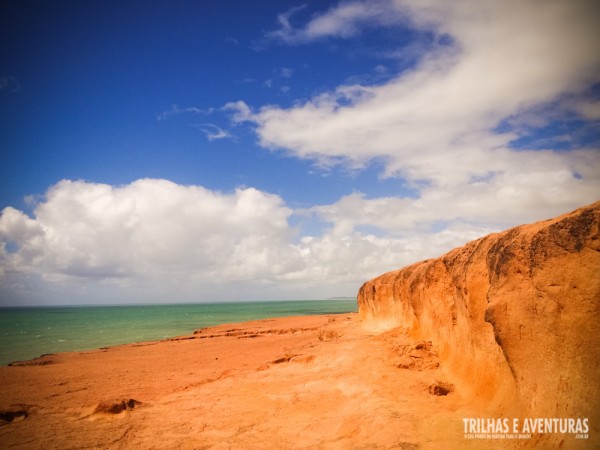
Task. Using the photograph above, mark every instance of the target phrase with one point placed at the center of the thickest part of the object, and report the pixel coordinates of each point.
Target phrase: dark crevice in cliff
(490, 317)
(501, 254)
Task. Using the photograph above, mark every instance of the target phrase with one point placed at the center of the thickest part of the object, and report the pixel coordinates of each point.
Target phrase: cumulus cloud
(150, 226)
(154, 240)
(150, 230)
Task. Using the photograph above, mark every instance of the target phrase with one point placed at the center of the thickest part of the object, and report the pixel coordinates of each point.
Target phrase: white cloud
(436, 122)
(522, 64)
(342, 21)
(150, 231)
(286, 72)
(175, 110)
(213, 132)
(240, 111)
(154, 240)
(588, 108)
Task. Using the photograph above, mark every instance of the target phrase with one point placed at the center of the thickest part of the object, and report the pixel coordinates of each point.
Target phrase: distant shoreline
(28, 332)
(209, 302)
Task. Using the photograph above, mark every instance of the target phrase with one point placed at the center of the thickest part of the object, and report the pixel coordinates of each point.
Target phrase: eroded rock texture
(514, 315)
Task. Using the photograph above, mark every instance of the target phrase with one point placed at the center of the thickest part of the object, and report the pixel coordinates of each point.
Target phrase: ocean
(27, 333)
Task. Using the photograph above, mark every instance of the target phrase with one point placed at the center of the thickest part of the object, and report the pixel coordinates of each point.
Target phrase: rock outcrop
(513, 315)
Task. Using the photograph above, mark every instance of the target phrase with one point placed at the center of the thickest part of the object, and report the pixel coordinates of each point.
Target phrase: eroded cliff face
(514, 315)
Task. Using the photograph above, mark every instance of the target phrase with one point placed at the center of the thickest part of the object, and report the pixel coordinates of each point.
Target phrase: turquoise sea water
(26, 333)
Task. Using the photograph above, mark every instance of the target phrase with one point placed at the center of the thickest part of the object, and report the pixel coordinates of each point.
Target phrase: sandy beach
(298, 382)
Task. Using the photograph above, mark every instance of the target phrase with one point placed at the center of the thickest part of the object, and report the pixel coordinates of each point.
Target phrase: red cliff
(514, 315)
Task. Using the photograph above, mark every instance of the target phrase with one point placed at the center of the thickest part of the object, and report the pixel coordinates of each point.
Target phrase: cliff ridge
(513, 315)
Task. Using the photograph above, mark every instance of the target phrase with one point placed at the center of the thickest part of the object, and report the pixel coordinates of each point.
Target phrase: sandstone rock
(514, 315)
(116, 406)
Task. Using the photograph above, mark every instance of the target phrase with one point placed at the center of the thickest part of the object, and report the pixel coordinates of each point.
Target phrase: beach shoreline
(28, 332)
(295, 382)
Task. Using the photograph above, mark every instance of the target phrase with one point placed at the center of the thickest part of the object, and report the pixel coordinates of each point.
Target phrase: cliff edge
(514, 315)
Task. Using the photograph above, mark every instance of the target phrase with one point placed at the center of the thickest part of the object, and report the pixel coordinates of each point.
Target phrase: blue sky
(297, 149)
(93, 78)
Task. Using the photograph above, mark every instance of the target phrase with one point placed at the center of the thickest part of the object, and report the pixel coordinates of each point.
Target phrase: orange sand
(299, 382)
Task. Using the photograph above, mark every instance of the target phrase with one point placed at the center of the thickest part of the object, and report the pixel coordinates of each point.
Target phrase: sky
(196, 151)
